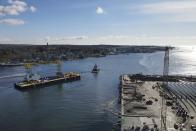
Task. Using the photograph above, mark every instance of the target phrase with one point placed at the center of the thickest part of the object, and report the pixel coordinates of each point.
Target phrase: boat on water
(34, 81)
(95, 69)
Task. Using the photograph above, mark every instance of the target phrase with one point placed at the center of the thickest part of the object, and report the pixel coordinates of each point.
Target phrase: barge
(46, 81)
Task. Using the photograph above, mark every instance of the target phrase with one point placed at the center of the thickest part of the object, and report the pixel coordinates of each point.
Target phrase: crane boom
(165, 85)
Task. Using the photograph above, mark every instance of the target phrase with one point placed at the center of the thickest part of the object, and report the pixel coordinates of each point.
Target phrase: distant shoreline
(18, 55)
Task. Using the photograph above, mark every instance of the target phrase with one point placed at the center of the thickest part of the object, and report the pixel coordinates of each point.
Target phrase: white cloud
(15, 7)
(17, 2)
(33, 9)
(169, 7)
(5, 40)
(57, 39)
(100, 10)
(122, 40)
(76, 37)
(13, 22)
(47, 38)
(109, 40)
(175, 10)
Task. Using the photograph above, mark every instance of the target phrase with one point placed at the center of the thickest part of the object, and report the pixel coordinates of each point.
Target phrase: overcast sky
(151, 22)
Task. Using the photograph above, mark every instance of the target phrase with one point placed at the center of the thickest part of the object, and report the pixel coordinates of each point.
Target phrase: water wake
(146, 61)
(12, 76)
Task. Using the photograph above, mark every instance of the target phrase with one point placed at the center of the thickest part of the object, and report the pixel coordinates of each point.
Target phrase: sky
(127, 22)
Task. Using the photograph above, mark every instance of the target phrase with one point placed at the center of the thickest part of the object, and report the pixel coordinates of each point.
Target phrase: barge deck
(46, 81)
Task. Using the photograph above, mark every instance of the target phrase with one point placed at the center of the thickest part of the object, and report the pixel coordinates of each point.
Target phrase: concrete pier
(141, 104)
(170, 78)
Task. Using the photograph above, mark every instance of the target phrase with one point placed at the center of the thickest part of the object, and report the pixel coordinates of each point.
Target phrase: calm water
(84, 105)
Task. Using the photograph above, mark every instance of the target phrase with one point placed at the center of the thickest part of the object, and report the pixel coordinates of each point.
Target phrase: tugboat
(95, 69)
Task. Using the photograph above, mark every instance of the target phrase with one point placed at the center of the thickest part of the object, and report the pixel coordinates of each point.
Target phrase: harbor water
(85, 105)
